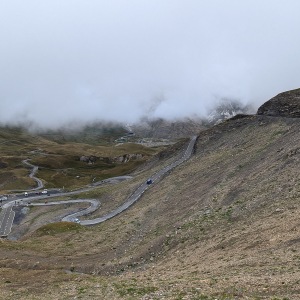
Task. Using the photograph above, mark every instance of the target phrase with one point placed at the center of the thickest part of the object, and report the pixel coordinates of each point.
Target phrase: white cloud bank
(65, 61)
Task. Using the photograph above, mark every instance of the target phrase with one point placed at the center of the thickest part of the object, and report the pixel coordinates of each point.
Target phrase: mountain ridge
(223, 225)
(286, 104)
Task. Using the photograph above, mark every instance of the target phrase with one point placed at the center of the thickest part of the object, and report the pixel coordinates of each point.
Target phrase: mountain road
(7, 214)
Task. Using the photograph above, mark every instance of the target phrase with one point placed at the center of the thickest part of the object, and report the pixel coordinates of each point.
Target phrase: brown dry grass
(224, 225)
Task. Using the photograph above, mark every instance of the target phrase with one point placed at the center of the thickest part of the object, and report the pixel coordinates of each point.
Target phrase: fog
(77, 61)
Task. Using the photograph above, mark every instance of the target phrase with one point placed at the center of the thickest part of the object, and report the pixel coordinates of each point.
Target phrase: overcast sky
(65, 61)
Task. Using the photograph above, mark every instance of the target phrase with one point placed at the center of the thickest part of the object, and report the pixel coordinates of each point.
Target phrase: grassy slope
(59, 160)
(224, 225)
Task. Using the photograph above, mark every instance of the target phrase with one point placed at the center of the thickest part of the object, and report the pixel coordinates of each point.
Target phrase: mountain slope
(226, 109)
(286, 104)
(224, 225)
(160, 128)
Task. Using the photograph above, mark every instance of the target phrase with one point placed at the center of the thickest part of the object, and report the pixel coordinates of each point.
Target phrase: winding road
(39, 182)
(7, 214)
(70, 218)
(144, 186)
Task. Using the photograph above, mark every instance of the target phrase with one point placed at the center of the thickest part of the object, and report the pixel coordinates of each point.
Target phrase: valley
(6, 219)
(222, 225)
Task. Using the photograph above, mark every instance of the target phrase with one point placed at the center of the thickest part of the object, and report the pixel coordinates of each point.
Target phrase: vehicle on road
(149, 181)
(26, 194)
(45, 192)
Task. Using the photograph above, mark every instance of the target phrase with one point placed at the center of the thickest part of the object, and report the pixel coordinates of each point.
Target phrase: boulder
(88, 159)
(3, 165)
(128, 157)
(84, 158)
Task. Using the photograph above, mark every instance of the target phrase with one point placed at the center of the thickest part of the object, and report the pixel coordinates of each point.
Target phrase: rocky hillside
(161, 128)
(285, 104)
(226, 109)
(223, 225)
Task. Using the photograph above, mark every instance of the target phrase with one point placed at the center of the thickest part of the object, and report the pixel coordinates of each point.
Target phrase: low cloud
(75, 61)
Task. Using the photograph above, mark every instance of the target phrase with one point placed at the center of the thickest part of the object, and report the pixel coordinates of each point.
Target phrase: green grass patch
(56, 228)
(58, 155)
(133, 290)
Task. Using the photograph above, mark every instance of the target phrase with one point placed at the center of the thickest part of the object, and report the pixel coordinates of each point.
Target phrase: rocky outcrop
(164, 129)
(118, 159)
(226, 109)
(285, 104)
(127, 157)
(3, 165)
(88, 159)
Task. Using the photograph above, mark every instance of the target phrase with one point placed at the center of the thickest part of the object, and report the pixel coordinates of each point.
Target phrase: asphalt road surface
(6, 219)
(144, 186)
(39, 182)
(72, 217)
(7, 214)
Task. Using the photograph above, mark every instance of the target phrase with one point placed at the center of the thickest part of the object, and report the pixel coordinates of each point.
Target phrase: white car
(44, 192)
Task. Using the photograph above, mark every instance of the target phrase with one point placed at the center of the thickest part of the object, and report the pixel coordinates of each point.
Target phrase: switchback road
(70, 218)
(39, 182)
(7, 215)
(6, 223)
(144, 186)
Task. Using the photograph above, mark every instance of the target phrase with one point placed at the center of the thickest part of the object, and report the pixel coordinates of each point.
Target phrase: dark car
(149, 181)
